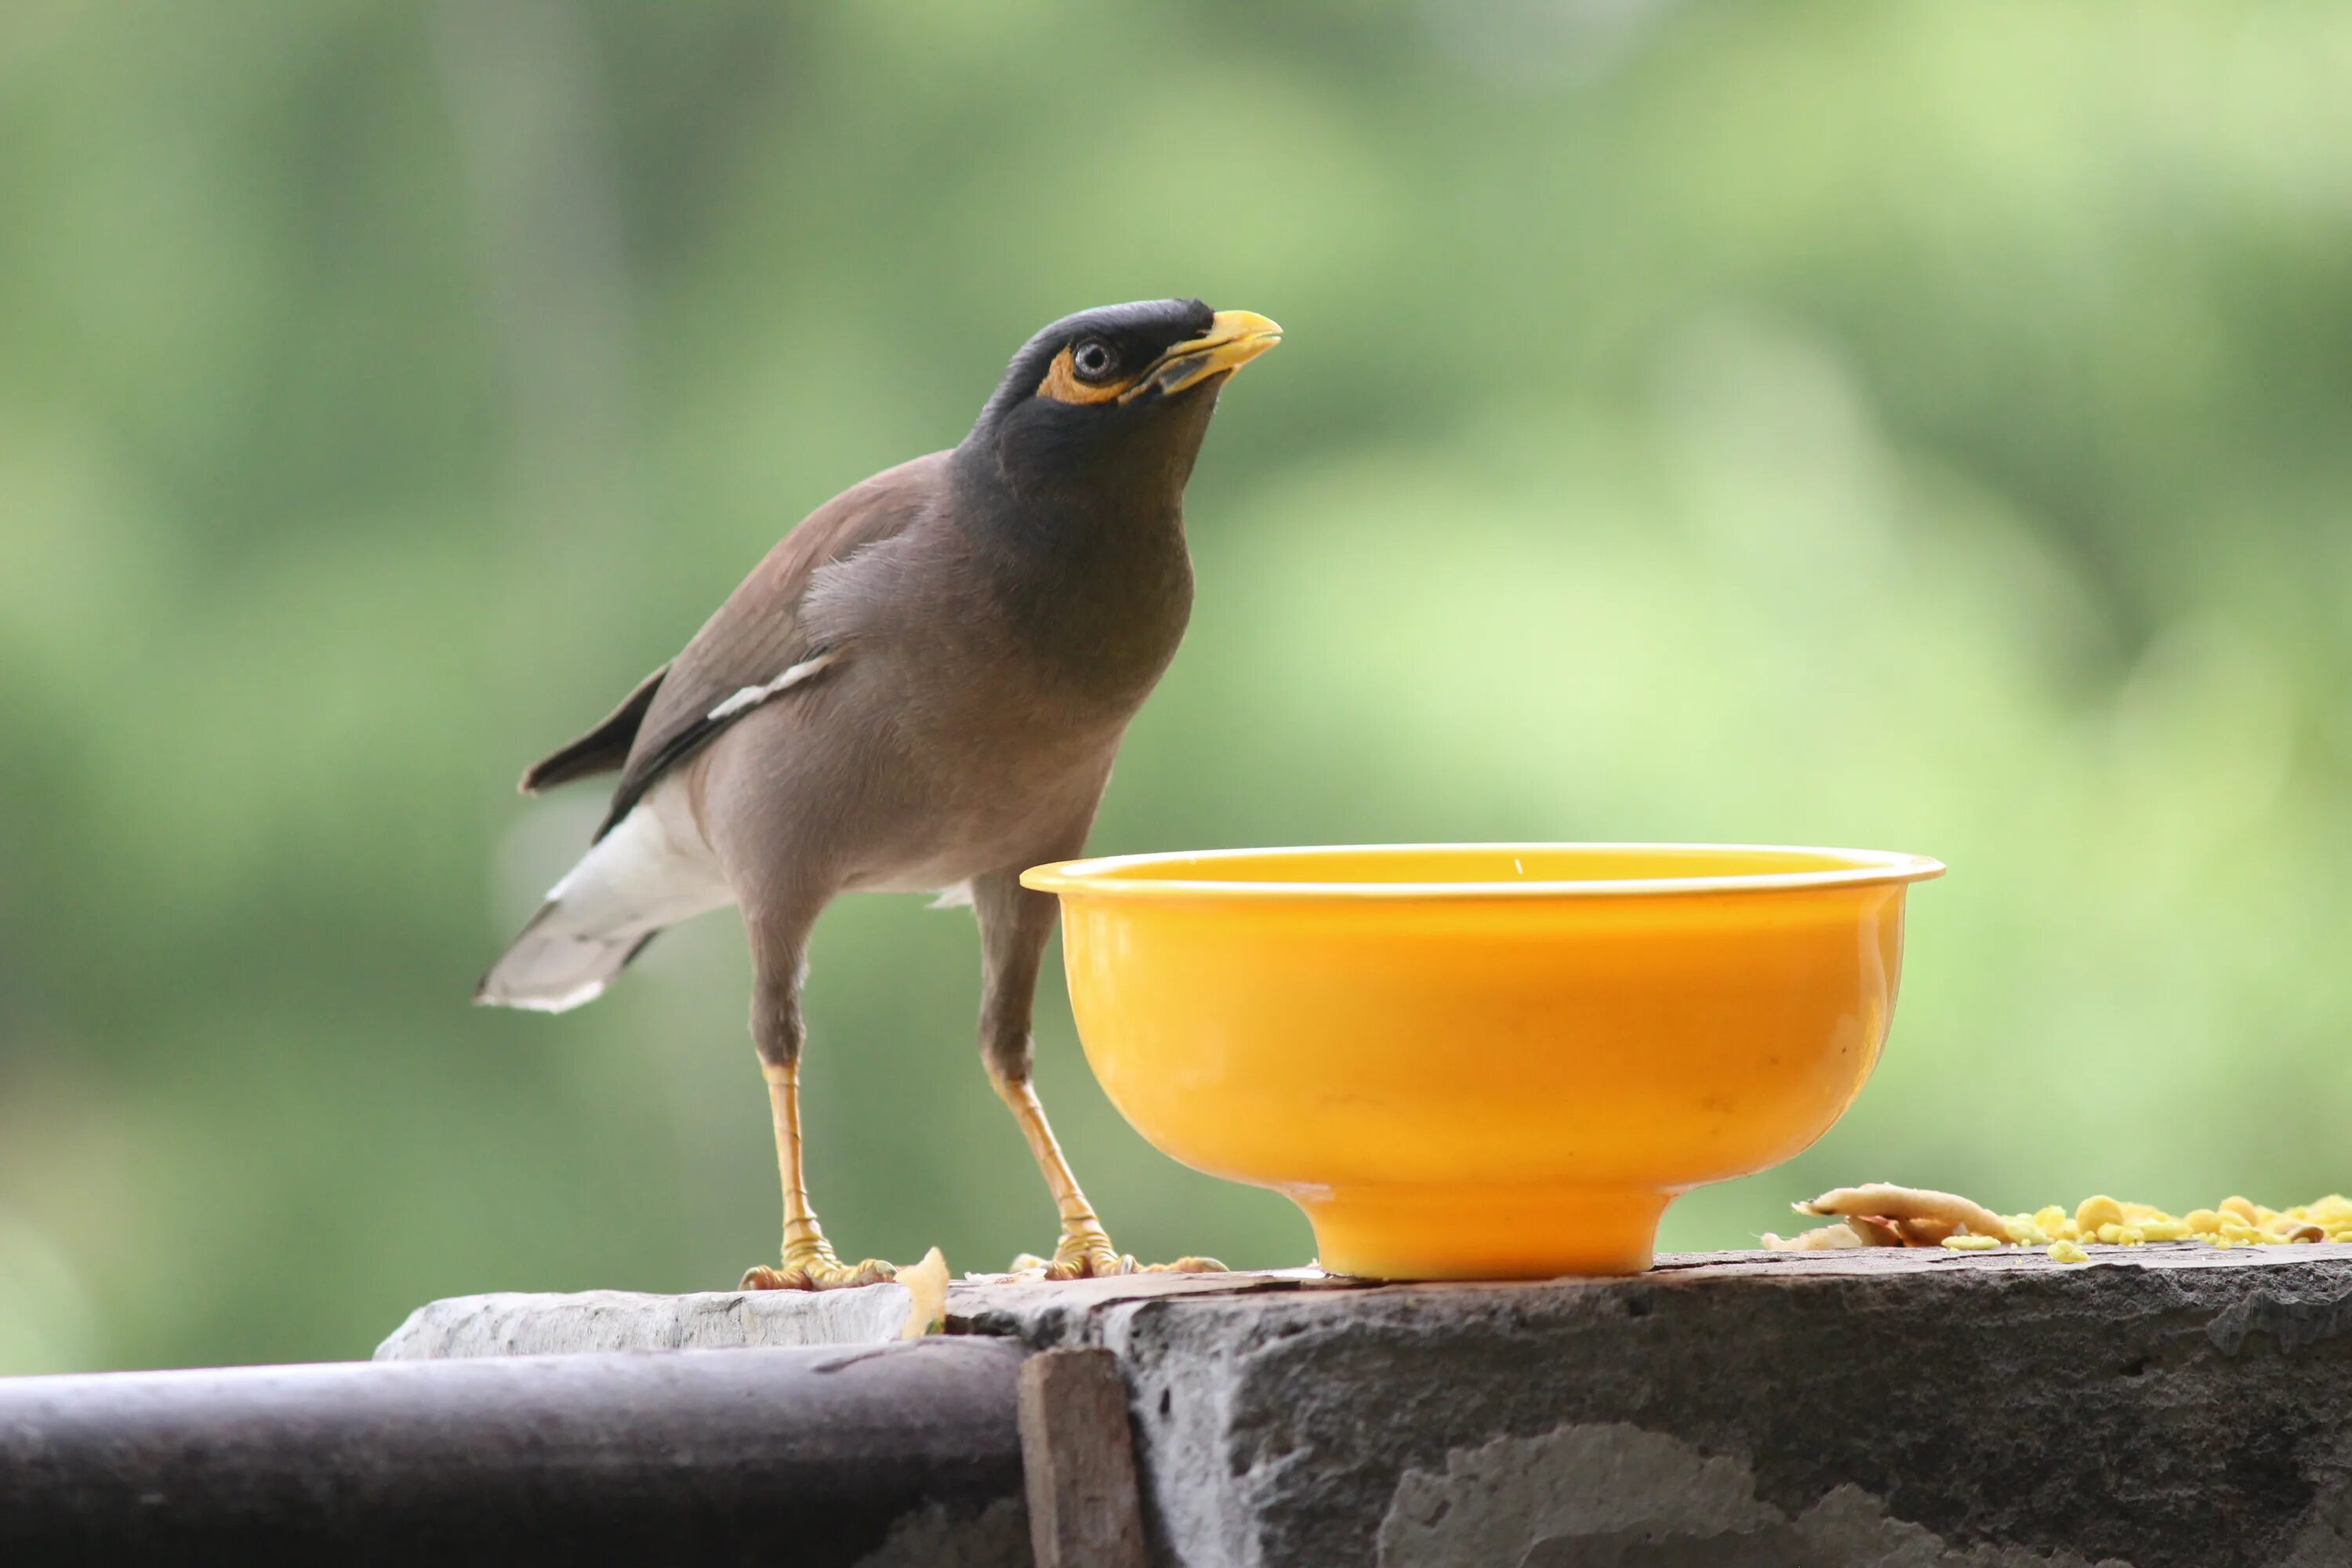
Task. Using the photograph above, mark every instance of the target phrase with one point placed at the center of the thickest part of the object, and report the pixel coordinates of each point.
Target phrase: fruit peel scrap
(1922, 1216)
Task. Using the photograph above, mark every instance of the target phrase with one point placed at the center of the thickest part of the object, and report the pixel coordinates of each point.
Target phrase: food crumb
(2095, 1212)
(1884, 1214)
(2067, 1252)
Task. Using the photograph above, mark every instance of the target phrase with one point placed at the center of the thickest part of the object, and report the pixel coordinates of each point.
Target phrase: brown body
(940, 746)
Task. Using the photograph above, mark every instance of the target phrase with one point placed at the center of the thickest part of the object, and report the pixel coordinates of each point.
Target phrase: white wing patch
(751, 695)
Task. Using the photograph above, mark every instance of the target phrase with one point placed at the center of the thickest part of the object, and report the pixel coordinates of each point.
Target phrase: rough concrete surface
(2164, 1407)
(2174, 1407)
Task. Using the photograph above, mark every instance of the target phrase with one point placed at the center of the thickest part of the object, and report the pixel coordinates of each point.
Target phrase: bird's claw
(1092, 1257)
(1087, 1257)
(822, 1272)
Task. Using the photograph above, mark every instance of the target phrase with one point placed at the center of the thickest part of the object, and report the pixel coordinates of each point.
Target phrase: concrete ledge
(520, 1323)
(2163, 1408)
(513, 1323)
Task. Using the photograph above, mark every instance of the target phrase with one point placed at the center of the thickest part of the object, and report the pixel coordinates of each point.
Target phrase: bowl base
(1482, 1232)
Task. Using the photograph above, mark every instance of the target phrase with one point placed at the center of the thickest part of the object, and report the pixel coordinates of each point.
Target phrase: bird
(920, 689)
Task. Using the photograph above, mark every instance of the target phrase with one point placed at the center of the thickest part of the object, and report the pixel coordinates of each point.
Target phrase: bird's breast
(1097, 626)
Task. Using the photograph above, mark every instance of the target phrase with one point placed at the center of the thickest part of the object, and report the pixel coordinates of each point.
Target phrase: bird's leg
(808, 1262)
(1014, 924)
(1085, 1250)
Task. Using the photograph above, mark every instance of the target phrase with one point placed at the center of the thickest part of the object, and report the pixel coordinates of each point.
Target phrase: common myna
(920, 689)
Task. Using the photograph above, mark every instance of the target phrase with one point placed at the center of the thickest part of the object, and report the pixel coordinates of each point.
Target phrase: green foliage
(1917, 426)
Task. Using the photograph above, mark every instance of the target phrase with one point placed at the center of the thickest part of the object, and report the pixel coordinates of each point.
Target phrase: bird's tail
(638, 879)
(554, 966)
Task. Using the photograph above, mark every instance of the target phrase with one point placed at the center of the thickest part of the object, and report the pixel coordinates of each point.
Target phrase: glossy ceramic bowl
(1484, 1061)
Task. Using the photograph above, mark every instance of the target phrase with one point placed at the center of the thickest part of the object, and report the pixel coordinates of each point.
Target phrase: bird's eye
(1092, 360)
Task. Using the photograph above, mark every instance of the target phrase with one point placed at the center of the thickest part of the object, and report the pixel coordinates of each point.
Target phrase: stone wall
(2162, 1407)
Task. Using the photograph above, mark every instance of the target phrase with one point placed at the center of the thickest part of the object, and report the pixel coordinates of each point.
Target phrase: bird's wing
(601, 749)
(757, 645)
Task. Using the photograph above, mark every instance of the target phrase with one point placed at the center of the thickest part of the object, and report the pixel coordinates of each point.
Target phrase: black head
(1117, 395)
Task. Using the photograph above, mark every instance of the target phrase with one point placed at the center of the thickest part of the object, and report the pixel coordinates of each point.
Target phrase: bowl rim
(1096, 876)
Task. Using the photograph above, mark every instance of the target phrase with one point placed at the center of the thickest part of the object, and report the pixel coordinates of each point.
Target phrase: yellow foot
(1092, 1257)
(822, 1272)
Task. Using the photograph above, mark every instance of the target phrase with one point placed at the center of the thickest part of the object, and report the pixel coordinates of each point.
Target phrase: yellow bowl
(1484, 1061)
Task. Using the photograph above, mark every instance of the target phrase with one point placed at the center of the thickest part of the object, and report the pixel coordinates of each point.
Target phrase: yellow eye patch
(1063, 386)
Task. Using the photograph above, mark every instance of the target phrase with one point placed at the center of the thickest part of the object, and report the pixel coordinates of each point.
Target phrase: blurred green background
(1914, 427)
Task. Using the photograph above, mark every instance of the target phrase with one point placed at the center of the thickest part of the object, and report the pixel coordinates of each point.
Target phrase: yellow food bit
(1887, 1216)
(2067, 1252)
(2093, 1213)
(927, 1289)
(1827, 1238)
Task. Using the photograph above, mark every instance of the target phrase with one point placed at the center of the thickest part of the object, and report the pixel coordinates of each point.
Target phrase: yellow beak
(1233, 339)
